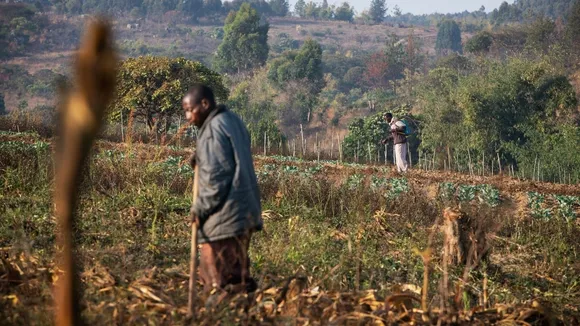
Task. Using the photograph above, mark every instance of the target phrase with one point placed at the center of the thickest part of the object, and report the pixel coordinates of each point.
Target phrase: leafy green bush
(354, 181)
(398, 186)
(447, 190)
(566, 206)
(535, 203)
(489, 195)
(466, 193)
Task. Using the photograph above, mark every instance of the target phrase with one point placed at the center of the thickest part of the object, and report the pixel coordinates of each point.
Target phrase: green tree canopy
(279, 7)
(345, 12)
(245, 44)
(152, 87)
(479, 43)
(311, 10)
(573, 27)
(192, 8)
(378, 10)
(498, 109)
(449, 37)
(299, 8)
(303, 64)
(299, 73)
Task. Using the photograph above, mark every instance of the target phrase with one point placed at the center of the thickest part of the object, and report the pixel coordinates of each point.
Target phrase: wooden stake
(331, 148)
(192, 297)
(386, 153)
(470, 166)
(122, 131)
(302, 137)
(483, 163)
(265, 142)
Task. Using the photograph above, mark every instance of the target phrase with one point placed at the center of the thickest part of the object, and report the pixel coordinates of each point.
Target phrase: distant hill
(522, 9)
(551, 8)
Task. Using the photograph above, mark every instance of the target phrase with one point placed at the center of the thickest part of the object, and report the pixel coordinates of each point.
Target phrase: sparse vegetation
(474, 232)
(341, 229)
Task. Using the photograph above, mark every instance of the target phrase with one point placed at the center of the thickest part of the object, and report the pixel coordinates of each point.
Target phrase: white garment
(401, 157)
(397, 124)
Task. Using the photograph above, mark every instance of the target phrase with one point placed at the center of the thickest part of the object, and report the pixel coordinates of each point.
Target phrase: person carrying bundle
(398, 132)
(227, 206)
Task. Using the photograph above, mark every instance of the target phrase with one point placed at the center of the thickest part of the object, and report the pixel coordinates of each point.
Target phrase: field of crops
(343, 243)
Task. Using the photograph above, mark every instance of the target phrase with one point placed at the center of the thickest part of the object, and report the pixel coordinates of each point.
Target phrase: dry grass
(332, 252)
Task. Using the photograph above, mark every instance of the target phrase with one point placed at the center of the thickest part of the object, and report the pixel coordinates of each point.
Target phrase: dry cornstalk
(81, 115)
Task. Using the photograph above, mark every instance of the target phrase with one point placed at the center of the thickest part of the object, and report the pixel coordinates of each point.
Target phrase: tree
(389, 64)
(2, 105)
(326, 11)
(541, 34)
(304, 64)
(245, 44)
(299, 8)
(300, 74)
(280, 7)
(480, 43)
(212, 7)
(377, 71)
(152, 87)
(573, 27)
(449, 37)
(192, 8)
(378, 10)
(311, 10)
(506, 13)
(353, 77)
(345, 12)
(397, 11)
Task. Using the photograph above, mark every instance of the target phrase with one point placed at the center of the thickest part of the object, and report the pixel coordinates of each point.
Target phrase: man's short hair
(199, 92)
(388, 115)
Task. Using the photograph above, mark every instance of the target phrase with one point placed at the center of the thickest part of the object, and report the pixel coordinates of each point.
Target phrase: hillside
(339, 40)
(550, 8)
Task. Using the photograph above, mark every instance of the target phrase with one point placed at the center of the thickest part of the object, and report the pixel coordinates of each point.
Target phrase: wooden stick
(193, 257)
(302, 136)
(386, 154)
(470, 166)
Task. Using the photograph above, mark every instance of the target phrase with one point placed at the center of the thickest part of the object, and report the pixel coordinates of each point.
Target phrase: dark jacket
(398, 133)
(228, 202)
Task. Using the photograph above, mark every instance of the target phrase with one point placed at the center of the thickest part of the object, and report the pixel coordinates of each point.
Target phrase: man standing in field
(397, 130)
(227, 208)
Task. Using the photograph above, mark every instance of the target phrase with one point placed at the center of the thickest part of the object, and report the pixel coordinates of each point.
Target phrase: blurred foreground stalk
(81, 114)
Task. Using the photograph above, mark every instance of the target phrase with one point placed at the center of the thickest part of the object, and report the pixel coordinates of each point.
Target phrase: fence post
(302, 137)
(386, 151)
(331, 147)
(317, 151)
(483, 163)
(122, 132)
(339, 150)
(419, 163)
(469, 164)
